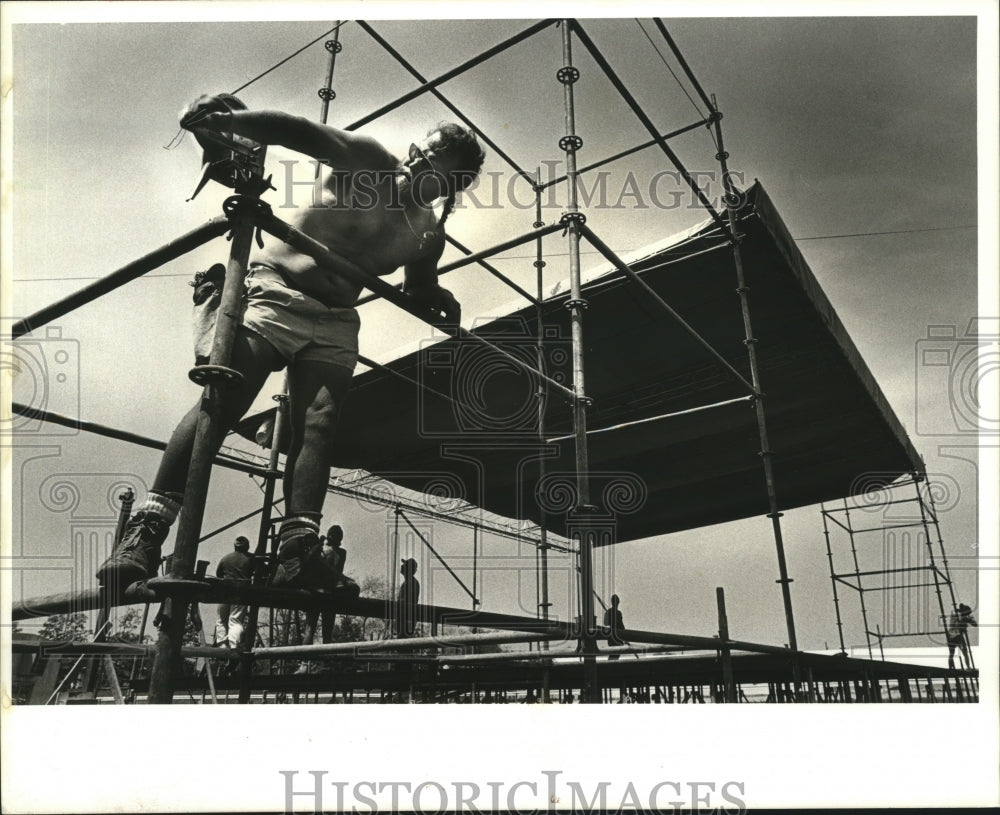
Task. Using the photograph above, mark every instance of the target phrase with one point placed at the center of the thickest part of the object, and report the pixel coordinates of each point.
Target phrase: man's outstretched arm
(349, 151)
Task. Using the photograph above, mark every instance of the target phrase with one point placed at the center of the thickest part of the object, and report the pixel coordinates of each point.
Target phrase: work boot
(345, 587)
(301, 565)
(137, 555)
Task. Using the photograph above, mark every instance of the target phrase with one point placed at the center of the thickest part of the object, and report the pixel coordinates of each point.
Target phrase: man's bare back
(365, 223)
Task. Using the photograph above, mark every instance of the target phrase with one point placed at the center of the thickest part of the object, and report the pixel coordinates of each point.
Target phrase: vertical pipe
(940, 541)
(833, 581)
(209, 429)
(857, 573)
(263, 530)
(475, 565)
(326, 94)
(543, 545)
(576, 304)
(758, 400)
(729, 683)
(917, 478)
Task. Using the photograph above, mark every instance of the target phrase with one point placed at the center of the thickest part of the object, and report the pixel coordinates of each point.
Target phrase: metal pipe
(325, 107)
(857, 572)
(672, 134)
(444, 563)
(122, 435)
(440, 96)
(465, 66)
(408, 644)
(208, 433)
(263, 533)
(751, 344)
(661, 417)
(725, 656)
(475, 564)
(930, 554)
(833, 581)
(475, 257)
(492, 270)
(591, 691)
(543, 545)
(307, 245)
(683, 62)
(619, 264)
(630, 101)
(237, 521)
(170, 251)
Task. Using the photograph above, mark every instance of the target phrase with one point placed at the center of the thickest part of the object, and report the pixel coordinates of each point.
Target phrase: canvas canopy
(660, 460)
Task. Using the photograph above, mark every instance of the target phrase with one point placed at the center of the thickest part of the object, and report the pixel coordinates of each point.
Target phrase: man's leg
(137, 555)
(237, 619)
(222, 625)
(316, 392)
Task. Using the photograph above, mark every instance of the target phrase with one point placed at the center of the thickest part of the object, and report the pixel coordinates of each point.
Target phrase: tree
(65, 628)
(126, 629)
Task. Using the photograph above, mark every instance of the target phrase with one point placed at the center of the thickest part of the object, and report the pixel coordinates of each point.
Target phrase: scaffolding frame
(932, 573)
(245, 215)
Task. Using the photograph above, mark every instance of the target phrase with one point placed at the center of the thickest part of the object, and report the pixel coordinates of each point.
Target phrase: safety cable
(676, 78)
(286, 59)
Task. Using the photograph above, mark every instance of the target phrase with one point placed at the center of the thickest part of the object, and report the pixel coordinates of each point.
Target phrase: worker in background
(957, 633)
(407, 600)
(236, 566)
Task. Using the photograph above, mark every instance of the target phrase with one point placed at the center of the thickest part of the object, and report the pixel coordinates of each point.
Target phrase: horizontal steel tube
(493, 271)
(479, 256)
(701, 643)
(409, 644)
(124, 435)
(465, 66)
(441, 97)
(658, 140)
(137, 268)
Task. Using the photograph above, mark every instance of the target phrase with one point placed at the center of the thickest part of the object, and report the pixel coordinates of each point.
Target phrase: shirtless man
(376, 211)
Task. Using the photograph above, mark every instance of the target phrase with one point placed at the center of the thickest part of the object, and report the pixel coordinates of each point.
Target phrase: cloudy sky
(863, 131)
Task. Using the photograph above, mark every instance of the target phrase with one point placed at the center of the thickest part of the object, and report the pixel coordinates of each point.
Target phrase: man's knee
(319, 423)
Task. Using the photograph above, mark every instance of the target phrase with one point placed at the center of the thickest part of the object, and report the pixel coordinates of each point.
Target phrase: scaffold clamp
(237, 205)
(578, 302)
(568, 74)
(571, 218)
(570, 143)
(327, 94)
(333, 46)
(215, 375)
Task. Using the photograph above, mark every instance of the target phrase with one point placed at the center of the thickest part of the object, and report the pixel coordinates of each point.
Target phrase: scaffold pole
(207, 434)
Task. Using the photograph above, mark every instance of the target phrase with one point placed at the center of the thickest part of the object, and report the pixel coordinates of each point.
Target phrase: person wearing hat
(335, 557)
(237, 566)
(407, 599)
(957, 634)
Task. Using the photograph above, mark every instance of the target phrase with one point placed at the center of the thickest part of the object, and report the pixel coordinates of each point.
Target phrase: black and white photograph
(602, 409)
